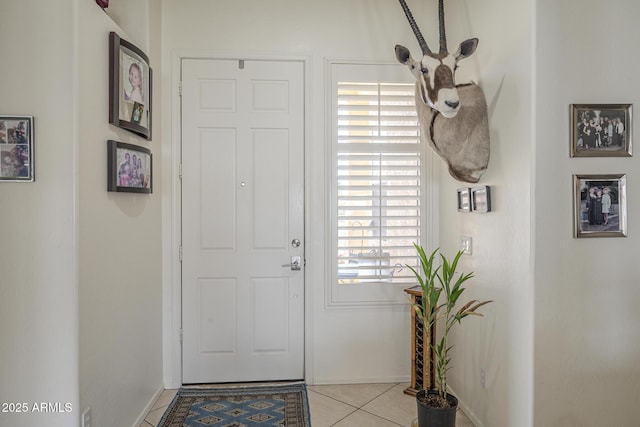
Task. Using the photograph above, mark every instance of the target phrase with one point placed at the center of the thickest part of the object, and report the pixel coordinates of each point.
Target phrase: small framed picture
(601, 130)
(130, 87)
(129, 168)
(600, 203)
(464, 200)
(16, 148)
(481, 199)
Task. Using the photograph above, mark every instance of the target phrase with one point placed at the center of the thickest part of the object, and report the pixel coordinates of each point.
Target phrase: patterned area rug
(239, 406)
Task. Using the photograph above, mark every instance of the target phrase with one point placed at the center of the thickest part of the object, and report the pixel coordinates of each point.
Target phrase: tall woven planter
(429, 416)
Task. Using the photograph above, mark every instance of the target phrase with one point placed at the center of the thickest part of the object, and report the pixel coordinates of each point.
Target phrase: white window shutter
(378, 159)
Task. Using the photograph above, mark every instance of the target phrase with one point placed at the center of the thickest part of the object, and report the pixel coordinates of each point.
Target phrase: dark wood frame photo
(601, 130)
(600, 205)
(16, 149)
(129, 168)
(130, 87)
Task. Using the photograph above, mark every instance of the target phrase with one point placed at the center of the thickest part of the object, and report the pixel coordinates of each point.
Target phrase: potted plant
(441, 293)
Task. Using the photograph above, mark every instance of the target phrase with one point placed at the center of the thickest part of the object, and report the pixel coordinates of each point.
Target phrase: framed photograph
(464, 200)
(16, 148)
(600, 203)
(130, 87)
(129, 168)
(601, 130)
(481, 199)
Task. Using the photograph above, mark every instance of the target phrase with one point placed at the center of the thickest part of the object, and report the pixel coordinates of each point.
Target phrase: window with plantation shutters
(377, 188)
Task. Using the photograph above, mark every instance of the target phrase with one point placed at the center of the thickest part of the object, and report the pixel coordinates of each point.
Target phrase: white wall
(587, 295)
(80, 293)
(342, 342)
(134, 17)
(119, 244)
(38, 278)
(61, 233)
(502, 341)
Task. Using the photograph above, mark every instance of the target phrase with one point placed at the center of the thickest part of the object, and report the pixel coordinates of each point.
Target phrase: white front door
(242, 220)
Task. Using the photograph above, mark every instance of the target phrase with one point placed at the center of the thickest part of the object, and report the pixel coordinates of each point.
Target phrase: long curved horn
(416, 30)
(443, 35)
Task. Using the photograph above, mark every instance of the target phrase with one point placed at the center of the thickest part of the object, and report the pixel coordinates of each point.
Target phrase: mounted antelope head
(452, 117)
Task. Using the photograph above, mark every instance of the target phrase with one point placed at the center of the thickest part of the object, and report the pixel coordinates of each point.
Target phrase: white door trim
(172, 218)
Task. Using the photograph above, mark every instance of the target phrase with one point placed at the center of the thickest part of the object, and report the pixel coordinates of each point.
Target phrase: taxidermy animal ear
(466, 49)
(404, 57)
(402, 54)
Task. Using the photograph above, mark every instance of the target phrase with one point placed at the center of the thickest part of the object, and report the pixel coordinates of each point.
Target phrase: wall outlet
(86, 417)
(483, 378)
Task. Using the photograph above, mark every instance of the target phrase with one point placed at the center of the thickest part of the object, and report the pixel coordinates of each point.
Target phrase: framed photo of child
(16, 148)
(600, 203)
(601, 130)
(129, 167)
(130, 87)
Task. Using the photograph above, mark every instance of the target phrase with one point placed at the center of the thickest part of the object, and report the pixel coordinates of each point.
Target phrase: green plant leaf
(442, 291)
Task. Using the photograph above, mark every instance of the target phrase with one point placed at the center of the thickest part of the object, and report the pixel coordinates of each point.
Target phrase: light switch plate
(466, 245)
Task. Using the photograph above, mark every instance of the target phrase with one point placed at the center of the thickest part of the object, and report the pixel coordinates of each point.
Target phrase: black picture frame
(590, 207)
(122, 175)
(591, 125)
(16, 149)
(130, 100)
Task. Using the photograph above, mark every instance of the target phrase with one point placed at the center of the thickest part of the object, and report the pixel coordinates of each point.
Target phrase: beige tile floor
(354, 405)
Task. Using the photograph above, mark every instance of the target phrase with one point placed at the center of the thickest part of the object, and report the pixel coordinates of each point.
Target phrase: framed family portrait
(600, 203)
(130, 87)
(601, 130)
(16, 148)
(129, 168)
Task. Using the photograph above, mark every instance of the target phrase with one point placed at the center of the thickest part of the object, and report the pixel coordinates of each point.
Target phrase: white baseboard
(464, 408)
(148, 407)
(358, 380)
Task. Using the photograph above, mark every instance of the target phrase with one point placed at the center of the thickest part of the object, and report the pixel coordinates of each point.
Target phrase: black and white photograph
(16, 148)
(600, 205)
(130, 87)
(129, 168)
(601, 130)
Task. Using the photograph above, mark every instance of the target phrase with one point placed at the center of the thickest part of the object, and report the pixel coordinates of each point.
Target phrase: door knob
(296, 263)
